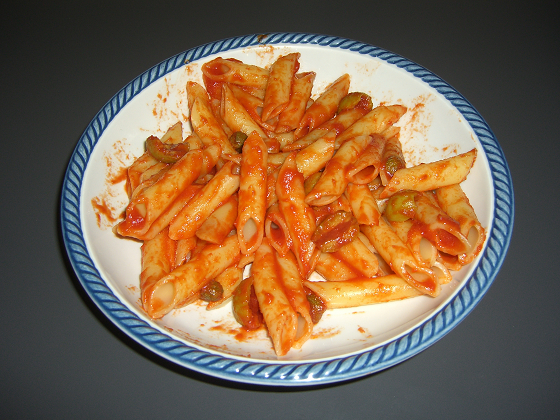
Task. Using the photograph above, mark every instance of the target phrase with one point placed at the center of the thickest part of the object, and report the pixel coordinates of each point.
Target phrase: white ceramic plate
(347, 343)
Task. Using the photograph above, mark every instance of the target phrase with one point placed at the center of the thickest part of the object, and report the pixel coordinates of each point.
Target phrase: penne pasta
(362, 291)
(324, 108)
(314, 157)
(400, 259)
(158, 258)
(289, 118)
(149, 204)
(363, 204)
(182, 284)
(220, 188)
(431, 176)
(297, 214)
(374, 122)
(208, 128)
(279, 85)
(252, 194)
(456, 205)
(280, 318)
(333, 181)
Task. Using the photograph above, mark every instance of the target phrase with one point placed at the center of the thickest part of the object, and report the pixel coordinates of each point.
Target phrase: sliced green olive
(316, 306)
(212, 292)
(245, 305)
(401, 206)
(355, 100)
(237, 139)
(166, 153)
(310, 182)
(335, 231)
(393, 164)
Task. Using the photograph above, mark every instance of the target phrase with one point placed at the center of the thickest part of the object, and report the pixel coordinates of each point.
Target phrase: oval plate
(347, 343)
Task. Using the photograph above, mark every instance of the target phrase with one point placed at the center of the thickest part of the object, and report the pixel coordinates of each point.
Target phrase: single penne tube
(400, 258)
(431, 222)
(236, 116)
(222, 186)
(276, 230)
(149, 181)
(171, 211)
(375, 121)
(280, 318)
(315, 156)
(279, 85)
(271, 179)
(229, 279)
(158, 258)
(366, 168)
(293, 287)
(333, 269)
(442, 272)
(431, 176)
(359, 257)
(220, 223)
(289, 118)
(210, 157)
(362, 291)
(363, 204)
(298, 215)
(325, 107)
(277, 159)
(252, 194)
(184, 249)
(149, 204)
(423, 250)
(194, 91)
(252, 104)
(333, 180)
(456, 205)
(208, 128)
(182, 284)
(236, 72)
(392, 159)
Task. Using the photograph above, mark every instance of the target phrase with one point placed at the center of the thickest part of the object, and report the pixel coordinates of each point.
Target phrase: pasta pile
(286, 186)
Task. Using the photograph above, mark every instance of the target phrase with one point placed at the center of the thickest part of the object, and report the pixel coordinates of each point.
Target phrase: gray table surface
(61, 62)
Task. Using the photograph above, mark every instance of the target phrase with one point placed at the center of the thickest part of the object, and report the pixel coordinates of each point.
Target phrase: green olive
(393, 164)
(166, 153)
(237, 139)
(212, 292)
(401, 206)
(335, 231)
(245, 305)
(316, 306)
(355, 100)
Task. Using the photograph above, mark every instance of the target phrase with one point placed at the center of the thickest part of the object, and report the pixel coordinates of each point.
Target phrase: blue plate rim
(271, 373)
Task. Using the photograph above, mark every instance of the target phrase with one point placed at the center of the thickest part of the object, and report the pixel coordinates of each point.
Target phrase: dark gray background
(61, 62)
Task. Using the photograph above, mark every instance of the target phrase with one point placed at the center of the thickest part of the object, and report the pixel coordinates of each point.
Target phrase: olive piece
(335, 231)
(246, 306)
(166, 153)
(212, 292)
(401, 206)
(355, 100)
(237, 139)
(393, 164)
(316, 306)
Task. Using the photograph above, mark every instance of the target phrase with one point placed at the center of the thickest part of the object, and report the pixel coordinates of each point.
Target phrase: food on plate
(288, 206)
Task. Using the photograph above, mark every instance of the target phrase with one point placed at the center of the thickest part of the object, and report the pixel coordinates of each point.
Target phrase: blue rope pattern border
(287, 374)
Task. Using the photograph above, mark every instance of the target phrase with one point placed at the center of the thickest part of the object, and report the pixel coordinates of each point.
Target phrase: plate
(347, 343)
